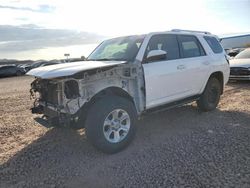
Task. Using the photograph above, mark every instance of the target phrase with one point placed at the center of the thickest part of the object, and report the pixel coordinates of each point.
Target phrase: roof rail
(191, 31)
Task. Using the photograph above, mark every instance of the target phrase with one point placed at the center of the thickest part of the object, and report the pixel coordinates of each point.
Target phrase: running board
(172, 104)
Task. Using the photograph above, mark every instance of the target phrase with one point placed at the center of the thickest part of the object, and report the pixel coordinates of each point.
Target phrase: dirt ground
(181, 147)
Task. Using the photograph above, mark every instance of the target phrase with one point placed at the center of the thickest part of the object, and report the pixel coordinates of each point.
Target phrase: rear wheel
(211, 95)
(18, 73)
(110, 123)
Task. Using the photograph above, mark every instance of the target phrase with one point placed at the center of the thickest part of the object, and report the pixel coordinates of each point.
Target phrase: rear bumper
(239, 77)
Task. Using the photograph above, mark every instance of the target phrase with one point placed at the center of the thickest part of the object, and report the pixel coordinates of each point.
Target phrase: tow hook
(37, 109)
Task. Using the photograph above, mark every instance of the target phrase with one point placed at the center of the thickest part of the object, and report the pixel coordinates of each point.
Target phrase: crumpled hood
(68, 69)
(240, 63)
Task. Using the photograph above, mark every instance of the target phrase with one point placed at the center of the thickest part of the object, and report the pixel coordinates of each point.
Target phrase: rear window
(214, 44)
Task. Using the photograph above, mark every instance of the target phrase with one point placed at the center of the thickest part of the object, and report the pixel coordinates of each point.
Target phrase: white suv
(126, 77)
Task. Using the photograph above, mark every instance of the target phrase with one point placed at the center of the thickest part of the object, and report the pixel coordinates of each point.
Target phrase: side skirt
(172, 105)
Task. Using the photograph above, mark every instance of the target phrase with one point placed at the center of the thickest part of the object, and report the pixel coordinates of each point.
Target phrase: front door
(164, 79)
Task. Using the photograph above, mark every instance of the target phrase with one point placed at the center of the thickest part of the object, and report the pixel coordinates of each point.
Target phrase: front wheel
(211, 95)
(110, 123)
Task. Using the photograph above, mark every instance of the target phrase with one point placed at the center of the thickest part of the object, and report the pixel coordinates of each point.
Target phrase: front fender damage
(62, 98)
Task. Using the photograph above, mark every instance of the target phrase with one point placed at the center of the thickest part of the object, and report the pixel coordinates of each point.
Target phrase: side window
(190, 46)
(166, 42)
(5, 68)
(214, 44)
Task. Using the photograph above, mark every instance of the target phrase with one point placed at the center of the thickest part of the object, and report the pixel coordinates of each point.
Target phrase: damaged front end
(58, 100)
(61, 100)
(48, 96)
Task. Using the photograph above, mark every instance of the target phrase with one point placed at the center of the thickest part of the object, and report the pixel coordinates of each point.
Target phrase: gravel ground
(181, 147)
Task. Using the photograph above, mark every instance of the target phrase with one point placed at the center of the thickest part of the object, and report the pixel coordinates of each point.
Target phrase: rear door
(195, 63)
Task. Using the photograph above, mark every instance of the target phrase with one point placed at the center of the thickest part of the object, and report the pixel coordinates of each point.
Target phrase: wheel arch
(113, 90)
(220, 77)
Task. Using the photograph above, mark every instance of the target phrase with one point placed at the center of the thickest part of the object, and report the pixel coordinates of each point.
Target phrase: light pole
(67, 56)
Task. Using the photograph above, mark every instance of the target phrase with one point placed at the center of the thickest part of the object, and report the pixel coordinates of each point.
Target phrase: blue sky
(46, 29)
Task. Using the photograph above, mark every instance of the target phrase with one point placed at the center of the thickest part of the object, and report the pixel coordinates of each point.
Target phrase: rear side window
(190, 46)
(214, 44)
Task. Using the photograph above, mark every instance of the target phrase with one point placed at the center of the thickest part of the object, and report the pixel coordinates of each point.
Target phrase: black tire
(211, 95)
(19, 73)
(94, 124)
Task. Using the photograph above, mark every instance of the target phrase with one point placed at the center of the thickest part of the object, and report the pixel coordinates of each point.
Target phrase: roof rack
(191, 31)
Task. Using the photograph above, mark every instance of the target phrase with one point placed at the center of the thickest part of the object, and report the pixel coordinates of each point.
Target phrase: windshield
(122, 48)
(245, 54)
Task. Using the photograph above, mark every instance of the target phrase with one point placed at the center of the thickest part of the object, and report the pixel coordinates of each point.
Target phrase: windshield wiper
(103, 59)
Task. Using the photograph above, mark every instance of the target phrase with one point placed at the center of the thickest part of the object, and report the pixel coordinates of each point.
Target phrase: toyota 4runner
(126, 77)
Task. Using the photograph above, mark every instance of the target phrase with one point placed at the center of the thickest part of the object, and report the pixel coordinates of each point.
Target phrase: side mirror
(156, 55)
(83, 58)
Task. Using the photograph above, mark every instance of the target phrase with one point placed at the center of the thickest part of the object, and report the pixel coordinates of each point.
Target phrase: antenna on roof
(191, 31)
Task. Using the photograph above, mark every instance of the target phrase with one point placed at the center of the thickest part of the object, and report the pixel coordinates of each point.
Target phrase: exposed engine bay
(62, 99)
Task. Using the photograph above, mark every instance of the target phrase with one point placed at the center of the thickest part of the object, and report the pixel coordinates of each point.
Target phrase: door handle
(181, 67)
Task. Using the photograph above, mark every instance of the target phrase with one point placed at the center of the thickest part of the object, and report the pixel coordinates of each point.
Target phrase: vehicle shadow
(63, 157)
(237, 85)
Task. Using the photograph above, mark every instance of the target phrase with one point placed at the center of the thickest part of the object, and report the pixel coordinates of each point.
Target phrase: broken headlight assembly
(71, 89)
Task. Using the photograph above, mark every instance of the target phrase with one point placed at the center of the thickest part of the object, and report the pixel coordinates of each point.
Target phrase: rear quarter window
(214, 44)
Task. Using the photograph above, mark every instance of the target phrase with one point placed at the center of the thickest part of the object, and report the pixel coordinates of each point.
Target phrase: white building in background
(236, 41)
